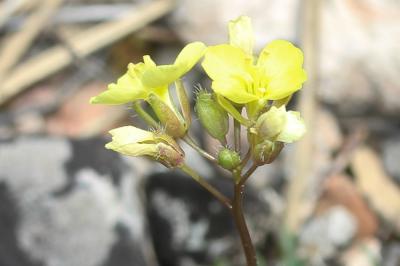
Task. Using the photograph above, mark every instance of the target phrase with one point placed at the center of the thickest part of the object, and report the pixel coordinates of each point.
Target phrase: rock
(339, 190)
(391, 255)
(359, 70)
(391, 154)
(190, 227)
(365, 252)
(75, 203)
(271, 20)
(324, 234)
(186, 223)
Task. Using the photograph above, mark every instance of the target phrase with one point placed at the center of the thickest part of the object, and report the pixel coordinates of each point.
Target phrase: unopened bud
(228, 159)
(277, 124)
(133, 141)
(266, 151)
(212, 116)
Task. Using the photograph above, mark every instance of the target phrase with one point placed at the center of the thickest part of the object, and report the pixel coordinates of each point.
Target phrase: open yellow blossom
(276, 74)
(149, 82)
(145, 78)
(133, 141)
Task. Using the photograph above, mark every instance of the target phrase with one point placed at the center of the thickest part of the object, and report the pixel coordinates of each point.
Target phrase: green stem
(236, 134)
(202, 152)
(218, 195)
(144, 115)
(246, 158)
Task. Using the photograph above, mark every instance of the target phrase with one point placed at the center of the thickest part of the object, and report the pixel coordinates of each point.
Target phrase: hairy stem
(217, 194)
(144, 115)
(202, 152)
(236, 135)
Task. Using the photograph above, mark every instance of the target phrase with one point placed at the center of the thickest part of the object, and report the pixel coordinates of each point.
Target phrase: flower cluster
(253, 90)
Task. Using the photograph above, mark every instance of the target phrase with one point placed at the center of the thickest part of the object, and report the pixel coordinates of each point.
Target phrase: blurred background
(331, 199)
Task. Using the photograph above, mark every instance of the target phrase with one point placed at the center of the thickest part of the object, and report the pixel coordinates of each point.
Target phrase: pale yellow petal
(225, 61)
(167, 74)
(127, 89)
(241, 34)
(233, 89)
(281, 63)
(130, 134)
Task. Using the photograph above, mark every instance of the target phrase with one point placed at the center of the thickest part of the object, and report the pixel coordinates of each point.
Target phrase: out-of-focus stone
(324, 234)
(76, 204)
(391, 255)
(339, 190)
(391, 155)
(360, 62)
(271, 19)
(365, 252)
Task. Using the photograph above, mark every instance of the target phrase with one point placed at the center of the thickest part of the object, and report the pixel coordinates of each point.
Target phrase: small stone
(391, 155)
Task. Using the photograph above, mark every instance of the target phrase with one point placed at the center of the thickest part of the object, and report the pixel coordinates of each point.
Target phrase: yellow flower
(133, 141)
(276, 74)
(149, 82)
(145, 78)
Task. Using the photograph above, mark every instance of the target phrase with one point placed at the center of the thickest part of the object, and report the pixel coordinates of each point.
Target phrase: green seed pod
(173, 122)
(212, 116)
(228, 159)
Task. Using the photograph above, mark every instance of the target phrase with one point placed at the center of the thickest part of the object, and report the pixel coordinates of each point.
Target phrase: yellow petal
(134, 149)
(280, 87)
(233, 89)
(127, 89)
(166, 74)
(281, 62)
(241, 34)
(130, 134)
(189, 56)
(224, 61)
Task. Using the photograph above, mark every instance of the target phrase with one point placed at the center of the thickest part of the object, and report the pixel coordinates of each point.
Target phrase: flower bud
(228, 159)
(212, 116)
(133, 141)
(266, 152)
(169, 118)
(279, 125)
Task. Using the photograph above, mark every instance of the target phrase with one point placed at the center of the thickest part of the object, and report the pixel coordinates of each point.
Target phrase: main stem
(237, 211)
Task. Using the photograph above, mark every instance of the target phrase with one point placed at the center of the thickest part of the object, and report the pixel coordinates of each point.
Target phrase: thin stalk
(237, 212)
(246, 157)
(236, 134)
(217, 194)
(144, 115)
(248, 173)
(202, 152)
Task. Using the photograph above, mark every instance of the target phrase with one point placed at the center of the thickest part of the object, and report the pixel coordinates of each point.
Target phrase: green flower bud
(228, 159)
(169, 118)
(266, 151)
(211, 115)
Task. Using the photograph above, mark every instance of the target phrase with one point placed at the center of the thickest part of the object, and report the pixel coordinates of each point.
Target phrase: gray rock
(391, 155)
(320, 238)
(75, 203)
